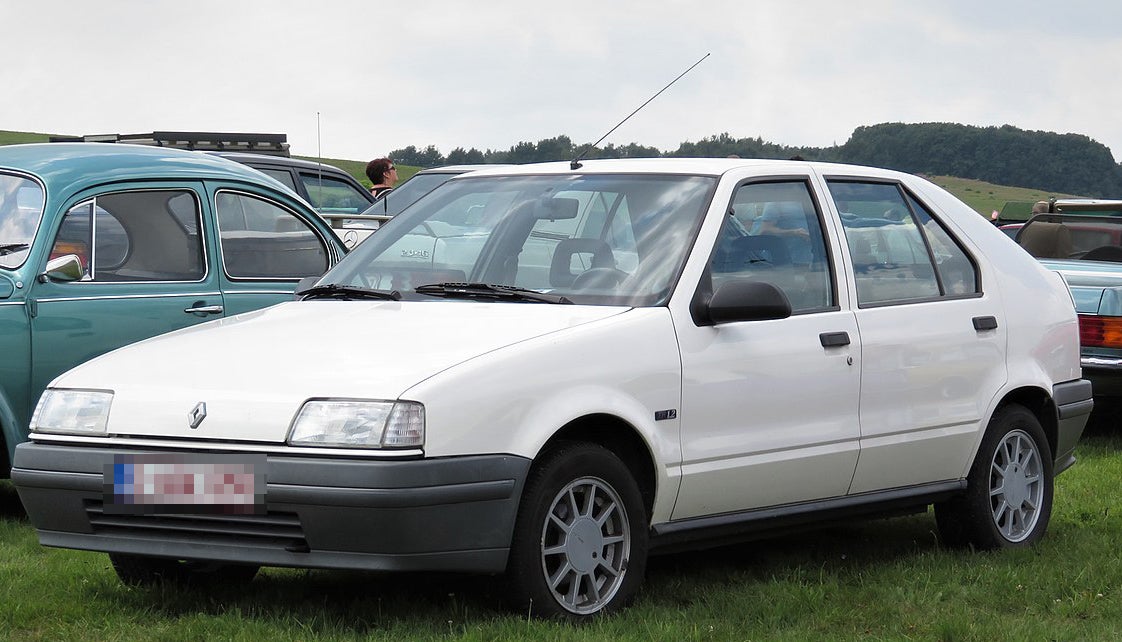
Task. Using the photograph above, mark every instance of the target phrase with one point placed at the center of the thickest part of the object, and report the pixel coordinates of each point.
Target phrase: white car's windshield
(21, 208)
(588, 238)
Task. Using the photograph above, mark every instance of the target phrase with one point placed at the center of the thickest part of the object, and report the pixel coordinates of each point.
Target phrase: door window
(135, 236)
(900, 252)
(333, 195)
(262, 240)
(773, 234)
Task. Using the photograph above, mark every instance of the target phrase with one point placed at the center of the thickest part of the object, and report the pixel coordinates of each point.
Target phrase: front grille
(272, 530)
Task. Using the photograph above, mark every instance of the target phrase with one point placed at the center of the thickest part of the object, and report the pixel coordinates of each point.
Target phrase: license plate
(228, 484)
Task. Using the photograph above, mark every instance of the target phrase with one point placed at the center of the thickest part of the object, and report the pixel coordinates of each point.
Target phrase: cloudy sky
(358, 78)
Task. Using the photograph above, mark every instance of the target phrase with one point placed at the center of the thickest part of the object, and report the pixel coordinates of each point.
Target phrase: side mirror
(67, 267)
(7, 288)
(743, 300)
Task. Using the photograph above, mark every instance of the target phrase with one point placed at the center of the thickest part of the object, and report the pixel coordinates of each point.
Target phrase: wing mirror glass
(67, 267)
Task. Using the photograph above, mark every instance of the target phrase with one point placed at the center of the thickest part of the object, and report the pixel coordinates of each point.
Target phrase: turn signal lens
(1100, 332)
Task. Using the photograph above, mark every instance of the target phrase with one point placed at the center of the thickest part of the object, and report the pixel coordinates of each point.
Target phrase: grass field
(881, 580)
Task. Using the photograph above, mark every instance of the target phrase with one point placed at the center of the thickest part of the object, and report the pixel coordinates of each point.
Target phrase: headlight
(72, 412)
(360, 424)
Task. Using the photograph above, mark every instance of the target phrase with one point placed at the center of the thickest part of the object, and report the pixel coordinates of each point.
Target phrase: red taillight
(1100, 332)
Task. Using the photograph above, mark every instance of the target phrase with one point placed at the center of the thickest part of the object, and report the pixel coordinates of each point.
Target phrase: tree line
(1006, 155)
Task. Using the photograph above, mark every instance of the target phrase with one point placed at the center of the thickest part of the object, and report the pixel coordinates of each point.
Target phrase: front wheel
(580, 540)
(1008, 499)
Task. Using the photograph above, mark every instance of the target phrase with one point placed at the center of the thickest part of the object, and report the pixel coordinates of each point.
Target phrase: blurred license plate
(230, 484)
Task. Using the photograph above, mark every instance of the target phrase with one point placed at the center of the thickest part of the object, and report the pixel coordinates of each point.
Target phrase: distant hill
(981, 195)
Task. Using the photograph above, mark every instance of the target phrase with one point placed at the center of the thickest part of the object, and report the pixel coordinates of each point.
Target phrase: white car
(570, 367)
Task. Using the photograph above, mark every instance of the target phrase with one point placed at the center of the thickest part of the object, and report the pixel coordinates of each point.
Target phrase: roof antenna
(576, 164)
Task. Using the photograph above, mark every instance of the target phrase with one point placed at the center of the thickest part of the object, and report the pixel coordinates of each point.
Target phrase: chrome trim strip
(205, 444)
(129, 296)
(1108, 362)
(13, 303)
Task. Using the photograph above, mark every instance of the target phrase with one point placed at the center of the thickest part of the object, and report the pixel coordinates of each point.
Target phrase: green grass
(880, 580)
(985, 197)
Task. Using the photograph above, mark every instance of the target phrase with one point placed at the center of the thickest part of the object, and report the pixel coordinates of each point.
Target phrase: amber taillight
(1100, 332)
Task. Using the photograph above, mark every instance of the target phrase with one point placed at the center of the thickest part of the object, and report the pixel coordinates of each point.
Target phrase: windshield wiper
(12, 247)
(348, 292)
(488, 291)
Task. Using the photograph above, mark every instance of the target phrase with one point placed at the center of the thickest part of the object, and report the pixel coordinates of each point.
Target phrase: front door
(143, 257)
(769, 408)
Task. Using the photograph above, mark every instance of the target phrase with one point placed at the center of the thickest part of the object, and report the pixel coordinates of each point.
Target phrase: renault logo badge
(196, 416)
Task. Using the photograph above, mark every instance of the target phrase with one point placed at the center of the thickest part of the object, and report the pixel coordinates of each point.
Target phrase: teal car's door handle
(204, 309)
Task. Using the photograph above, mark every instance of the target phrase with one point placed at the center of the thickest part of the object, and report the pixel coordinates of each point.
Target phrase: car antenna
(576, 164)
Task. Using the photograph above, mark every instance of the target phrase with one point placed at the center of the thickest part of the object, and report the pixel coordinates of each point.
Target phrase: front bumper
(449, 514)
(1073, 407)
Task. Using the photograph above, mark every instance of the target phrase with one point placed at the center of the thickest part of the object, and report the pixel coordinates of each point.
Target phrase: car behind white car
(569, 367)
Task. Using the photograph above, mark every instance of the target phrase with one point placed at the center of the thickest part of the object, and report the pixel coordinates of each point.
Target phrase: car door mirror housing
(744, 300)
(67, 267)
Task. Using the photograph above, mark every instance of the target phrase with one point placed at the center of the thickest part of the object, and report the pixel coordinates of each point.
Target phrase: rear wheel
(580, 540)
(1008, 499)
(144, 570)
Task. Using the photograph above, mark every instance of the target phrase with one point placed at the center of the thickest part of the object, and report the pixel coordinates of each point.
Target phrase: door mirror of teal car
(6, 288)
(67, 267)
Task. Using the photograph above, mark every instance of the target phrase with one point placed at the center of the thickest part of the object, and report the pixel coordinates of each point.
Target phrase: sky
(355, 79)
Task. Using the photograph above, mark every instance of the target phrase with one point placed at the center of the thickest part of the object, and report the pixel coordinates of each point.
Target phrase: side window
(282, 175)
(135, 236)
(773, 234)
(899, 251)
(262, 240)
(333, 195)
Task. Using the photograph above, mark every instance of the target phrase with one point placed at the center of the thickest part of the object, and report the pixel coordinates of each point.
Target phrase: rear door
(265, 246)
(932, 338)
(143, 251)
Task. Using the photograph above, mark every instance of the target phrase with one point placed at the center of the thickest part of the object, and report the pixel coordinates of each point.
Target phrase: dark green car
(103, 245)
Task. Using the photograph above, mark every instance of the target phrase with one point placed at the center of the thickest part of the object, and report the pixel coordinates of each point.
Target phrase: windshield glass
(21, 208)
(407, 193)
(594, 238)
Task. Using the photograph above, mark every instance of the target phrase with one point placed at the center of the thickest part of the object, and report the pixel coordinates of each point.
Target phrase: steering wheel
(602, 278)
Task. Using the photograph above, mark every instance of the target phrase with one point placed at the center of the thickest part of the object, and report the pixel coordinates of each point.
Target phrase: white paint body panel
(766, 415)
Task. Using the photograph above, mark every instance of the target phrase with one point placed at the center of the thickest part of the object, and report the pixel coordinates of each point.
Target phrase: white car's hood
(254, 371)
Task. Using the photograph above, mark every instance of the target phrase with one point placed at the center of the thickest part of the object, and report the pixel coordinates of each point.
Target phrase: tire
(143, 570)
(1008, 499)
(580, 539)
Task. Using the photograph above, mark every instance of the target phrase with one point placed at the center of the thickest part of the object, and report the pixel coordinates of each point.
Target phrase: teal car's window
(21, 209)
(773, 234)
(134, 236)
(333, 195)
(900, 252)
(262, 240)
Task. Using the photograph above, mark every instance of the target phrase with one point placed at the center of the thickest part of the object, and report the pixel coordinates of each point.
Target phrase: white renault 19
(568, 367)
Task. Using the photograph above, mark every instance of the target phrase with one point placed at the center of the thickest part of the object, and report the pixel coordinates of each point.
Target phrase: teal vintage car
(102, 245)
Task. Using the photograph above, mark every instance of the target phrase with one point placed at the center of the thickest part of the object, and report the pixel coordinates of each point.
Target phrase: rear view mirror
(67, 267)
(557, 209)
(743, 300)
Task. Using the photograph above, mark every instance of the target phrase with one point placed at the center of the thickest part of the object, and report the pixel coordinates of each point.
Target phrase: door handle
(834, 339)
(204, 309)
(985, 323)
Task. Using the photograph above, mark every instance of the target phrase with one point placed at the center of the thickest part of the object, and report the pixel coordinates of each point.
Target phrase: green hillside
(986, 197)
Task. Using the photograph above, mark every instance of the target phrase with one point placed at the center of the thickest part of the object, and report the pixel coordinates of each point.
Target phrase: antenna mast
(575, 164)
